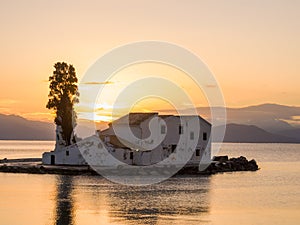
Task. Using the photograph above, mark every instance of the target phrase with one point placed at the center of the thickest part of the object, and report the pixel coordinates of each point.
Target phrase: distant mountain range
(252, 134)
(270, 117)
(14, 127)
(267, 123)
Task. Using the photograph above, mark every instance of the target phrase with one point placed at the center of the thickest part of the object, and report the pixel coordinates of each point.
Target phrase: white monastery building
(142, 139)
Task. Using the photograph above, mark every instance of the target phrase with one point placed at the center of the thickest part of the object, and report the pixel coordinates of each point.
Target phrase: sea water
(268, 196)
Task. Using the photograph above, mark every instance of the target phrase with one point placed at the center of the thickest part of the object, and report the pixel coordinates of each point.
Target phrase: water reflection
(177, 200)
(64, 212)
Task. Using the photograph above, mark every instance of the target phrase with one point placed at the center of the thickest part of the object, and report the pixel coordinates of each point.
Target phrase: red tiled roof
(134, 118)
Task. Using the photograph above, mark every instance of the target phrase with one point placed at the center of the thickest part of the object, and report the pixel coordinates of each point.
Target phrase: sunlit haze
(252, 48)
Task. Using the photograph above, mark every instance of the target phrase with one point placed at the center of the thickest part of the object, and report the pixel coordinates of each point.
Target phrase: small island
(174, 141)
(220, 164)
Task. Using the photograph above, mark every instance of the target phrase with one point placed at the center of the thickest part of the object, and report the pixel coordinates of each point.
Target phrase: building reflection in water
(64, 212)
(98, 201)
(177, 199)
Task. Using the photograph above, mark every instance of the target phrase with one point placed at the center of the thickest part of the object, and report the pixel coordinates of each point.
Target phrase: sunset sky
(252, 47)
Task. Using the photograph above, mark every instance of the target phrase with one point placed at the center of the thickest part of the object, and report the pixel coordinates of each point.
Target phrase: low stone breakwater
(220, 164)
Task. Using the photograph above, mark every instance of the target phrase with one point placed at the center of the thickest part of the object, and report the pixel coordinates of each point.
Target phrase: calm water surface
(268, 196)
(24, 149)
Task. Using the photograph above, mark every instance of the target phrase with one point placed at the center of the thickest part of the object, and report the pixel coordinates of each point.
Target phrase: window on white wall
(131, 155)
(162, 129)
(204, 136)
(180, 129)
(192, 135)
(174, 148)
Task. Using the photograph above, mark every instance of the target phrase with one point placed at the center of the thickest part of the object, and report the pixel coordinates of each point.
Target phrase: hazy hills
(270, 117)
(293, 133)
(253, 134)
(14, 127)
(263, 123)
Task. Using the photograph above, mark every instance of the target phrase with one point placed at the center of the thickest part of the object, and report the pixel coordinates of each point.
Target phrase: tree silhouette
(62, 97)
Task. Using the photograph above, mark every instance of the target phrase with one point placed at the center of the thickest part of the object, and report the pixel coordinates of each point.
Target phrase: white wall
(159, 152)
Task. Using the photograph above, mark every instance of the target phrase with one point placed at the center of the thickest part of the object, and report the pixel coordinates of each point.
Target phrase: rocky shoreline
(220, 164)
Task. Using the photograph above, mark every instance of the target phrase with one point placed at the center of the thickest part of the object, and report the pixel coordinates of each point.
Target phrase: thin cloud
(296, 118)
(7, 101)
(36, 114)
(98, 83)
(211, 86)
(4, 110)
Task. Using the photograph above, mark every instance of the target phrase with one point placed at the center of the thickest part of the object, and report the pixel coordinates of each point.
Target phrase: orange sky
(252, 47)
